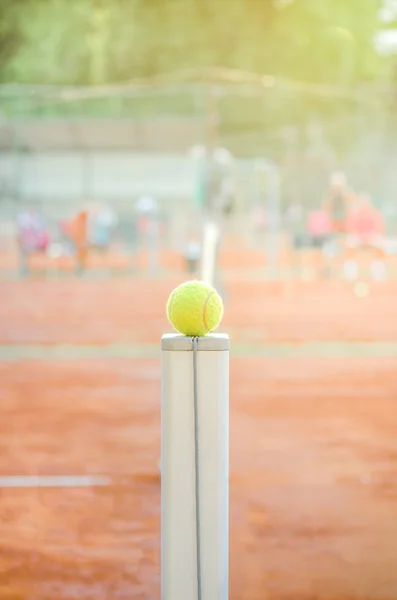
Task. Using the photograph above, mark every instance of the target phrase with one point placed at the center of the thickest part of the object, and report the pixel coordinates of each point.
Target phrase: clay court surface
(313, 426)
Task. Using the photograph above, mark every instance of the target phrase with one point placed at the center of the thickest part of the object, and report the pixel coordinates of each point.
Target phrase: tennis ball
(194, 308)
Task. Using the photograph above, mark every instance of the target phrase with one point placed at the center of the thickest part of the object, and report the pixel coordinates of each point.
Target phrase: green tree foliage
(93, 41)
(10, 33)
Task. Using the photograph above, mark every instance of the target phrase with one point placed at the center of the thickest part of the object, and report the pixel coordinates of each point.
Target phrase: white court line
(33, 481)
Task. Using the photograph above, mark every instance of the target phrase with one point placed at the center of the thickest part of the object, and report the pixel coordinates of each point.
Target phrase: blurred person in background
(319, 226)
(338, 201)
(102, 221)
(146, 209)
(365, 230)
(76, 231)
(32, 236)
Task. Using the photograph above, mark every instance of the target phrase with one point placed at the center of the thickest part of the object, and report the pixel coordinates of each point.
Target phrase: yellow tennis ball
(194, 308)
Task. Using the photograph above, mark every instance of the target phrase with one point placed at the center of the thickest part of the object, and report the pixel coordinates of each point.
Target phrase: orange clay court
(313, 430)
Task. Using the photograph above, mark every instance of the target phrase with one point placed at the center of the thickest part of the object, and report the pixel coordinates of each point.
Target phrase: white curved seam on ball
(204, 311)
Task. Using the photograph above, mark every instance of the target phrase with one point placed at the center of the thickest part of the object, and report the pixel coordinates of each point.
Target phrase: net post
(179, 539)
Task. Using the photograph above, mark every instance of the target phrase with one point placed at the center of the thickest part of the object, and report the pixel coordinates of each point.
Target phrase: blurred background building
(104, 102)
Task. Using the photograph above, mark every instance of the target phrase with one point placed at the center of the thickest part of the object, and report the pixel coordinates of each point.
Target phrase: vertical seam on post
(197, 469)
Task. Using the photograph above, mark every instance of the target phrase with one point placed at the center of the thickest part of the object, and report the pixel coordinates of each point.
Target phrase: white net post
(195, 431)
